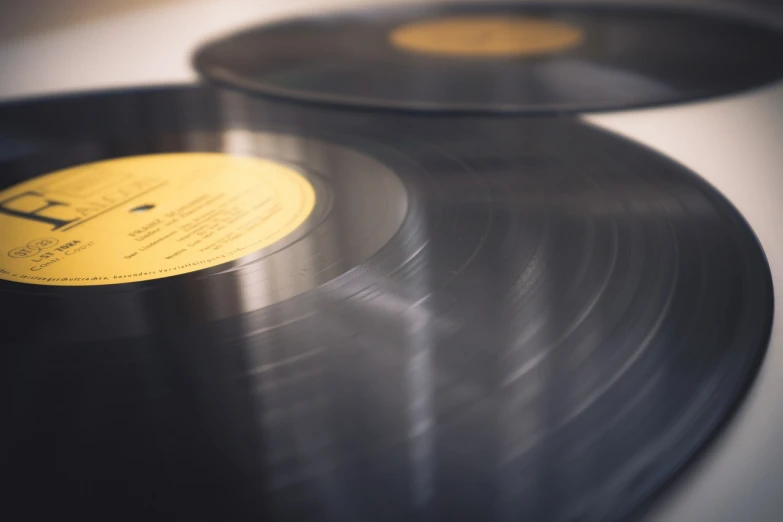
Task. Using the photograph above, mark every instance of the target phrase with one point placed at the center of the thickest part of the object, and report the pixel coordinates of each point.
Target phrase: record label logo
(146, 217)
(486, 36)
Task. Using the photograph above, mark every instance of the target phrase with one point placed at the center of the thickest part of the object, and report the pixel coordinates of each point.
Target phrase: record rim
(700, 451)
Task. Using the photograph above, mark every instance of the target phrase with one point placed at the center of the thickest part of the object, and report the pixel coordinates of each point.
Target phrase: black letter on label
(36, 214)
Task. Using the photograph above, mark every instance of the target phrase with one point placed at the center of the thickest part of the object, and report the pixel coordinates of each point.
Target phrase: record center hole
(142, 208)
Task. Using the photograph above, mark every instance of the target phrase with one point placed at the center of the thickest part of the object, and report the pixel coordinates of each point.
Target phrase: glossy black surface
(631, 56)
(559, 321)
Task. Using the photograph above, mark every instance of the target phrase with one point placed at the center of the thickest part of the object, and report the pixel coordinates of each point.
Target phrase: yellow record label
(146, 217)
(486, 36)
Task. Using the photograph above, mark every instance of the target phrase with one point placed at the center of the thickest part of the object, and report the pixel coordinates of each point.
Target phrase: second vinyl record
(499, 58)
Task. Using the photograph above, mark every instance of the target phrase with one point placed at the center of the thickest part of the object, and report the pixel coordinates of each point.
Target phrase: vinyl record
(215, 308)
(499, 57)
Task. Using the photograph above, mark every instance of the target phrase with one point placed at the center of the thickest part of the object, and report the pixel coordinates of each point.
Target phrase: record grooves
(478, 319)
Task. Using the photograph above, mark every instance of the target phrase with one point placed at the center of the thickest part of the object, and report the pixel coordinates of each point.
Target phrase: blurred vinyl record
(499, 57)
(219, 308)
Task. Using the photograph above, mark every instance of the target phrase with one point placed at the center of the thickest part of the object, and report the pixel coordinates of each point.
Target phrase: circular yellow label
(146, 217)
(486, 36)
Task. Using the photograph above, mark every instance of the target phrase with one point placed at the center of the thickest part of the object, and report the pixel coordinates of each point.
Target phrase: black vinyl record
(514, 319)
(500, 57)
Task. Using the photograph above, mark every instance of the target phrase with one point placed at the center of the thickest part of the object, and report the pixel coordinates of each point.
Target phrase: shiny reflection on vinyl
(482, 319)
(361, 206)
